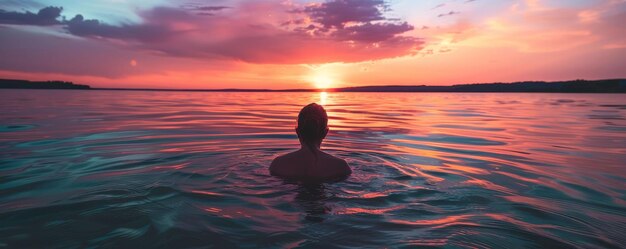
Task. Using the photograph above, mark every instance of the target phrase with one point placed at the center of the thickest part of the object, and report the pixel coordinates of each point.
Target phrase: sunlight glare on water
(189, 169)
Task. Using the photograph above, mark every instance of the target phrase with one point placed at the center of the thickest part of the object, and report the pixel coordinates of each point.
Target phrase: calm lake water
(144, 169)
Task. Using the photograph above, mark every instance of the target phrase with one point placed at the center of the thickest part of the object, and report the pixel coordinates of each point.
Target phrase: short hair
(312, 123)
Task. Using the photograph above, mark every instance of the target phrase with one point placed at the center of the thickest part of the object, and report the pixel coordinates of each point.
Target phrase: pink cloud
(335, 31)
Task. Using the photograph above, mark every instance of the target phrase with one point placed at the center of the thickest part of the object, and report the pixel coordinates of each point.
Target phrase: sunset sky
(281, 44)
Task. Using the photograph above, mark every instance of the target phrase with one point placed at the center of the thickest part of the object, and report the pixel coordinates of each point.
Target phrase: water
(189, 169)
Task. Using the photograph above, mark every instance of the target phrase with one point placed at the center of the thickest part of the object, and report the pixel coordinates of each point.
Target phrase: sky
(286, 44)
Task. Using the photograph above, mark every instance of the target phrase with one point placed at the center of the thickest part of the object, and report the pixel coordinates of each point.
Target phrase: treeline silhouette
(25, 84)
(575, 86)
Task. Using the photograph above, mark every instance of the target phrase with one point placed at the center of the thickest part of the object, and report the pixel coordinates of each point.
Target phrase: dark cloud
(293, 22)
(338, 13)
(372, 32)
(45, 17)
(93, 28)
(211, 8)
(449, 14)
(154, 28)
(439, 6)
(205, 10)
(79, 26)
(353, 20)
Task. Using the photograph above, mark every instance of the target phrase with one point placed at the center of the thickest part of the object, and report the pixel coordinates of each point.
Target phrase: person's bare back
(306, 164)
(309, 162)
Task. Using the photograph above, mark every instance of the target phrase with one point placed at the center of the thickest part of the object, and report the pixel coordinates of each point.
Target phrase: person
(310, 162)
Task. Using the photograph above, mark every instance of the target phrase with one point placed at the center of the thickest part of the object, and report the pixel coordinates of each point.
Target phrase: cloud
(44, 17)
(377, 32)
(204, 9)
(449, 14)
(212, 8)
(333, 31)
(441, 5)
(353, 20)
(338, 13)
(157, 26)
(94, 28)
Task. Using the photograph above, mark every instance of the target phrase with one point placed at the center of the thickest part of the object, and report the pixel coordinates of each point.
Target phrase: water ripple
(189, 169)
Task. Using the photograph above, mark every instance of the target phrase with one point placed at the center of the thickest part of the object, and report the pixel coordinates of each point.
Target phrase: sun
(322, 81)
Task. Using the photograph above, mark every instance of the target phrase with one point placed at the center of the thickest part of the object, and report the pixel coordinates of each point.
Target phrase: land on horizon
(573, 86)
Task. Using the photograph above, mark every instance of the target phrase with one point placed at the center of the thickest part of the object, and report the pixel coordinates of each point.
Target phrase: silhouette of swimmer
(309, 162)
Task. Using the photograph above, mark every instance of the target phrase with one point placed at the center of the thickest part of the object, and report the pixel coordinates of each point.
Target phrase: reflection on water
(189, 169)
(323, 98)
(312, 199)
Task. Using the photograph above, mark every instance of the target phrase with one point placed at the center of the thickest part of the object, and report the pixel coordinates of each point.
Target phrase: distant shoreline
(25, 84)
(574, 86)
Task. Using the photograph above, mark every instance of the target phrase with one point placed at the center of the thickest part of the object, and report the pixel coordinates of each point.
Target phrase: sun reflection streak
(323, 98)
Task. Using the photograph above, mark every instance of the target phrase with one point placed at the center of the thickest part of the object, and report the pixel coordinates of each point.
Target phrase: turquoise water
(137, 169)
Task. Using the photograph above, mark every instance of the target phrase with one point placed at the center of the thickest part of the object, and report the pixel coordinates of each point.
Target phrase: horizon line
(340, 88)
(463, 87)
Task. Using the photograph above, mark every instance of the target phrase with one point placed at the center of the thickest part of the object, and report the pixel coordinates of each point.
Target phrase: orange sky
(305, 44)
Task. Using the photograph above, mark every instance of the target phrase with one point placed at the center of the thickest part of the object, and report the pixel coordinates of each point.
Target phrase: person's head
(312, 125)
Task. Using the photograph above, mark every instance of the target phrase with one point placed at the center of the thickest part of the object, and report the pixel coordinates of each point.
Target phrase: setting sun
(322, 81)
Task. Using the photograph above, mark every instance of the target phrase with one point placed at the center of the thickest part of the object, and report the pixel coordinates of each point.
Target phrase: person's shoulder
(345, 168)
(339, 164)
(333, 159)
(276, 163)
(285, 157)
(279, 164)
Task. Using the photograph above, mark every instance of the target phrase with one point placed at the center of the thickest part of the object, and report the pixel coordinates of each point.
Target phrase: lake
(137, 169)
